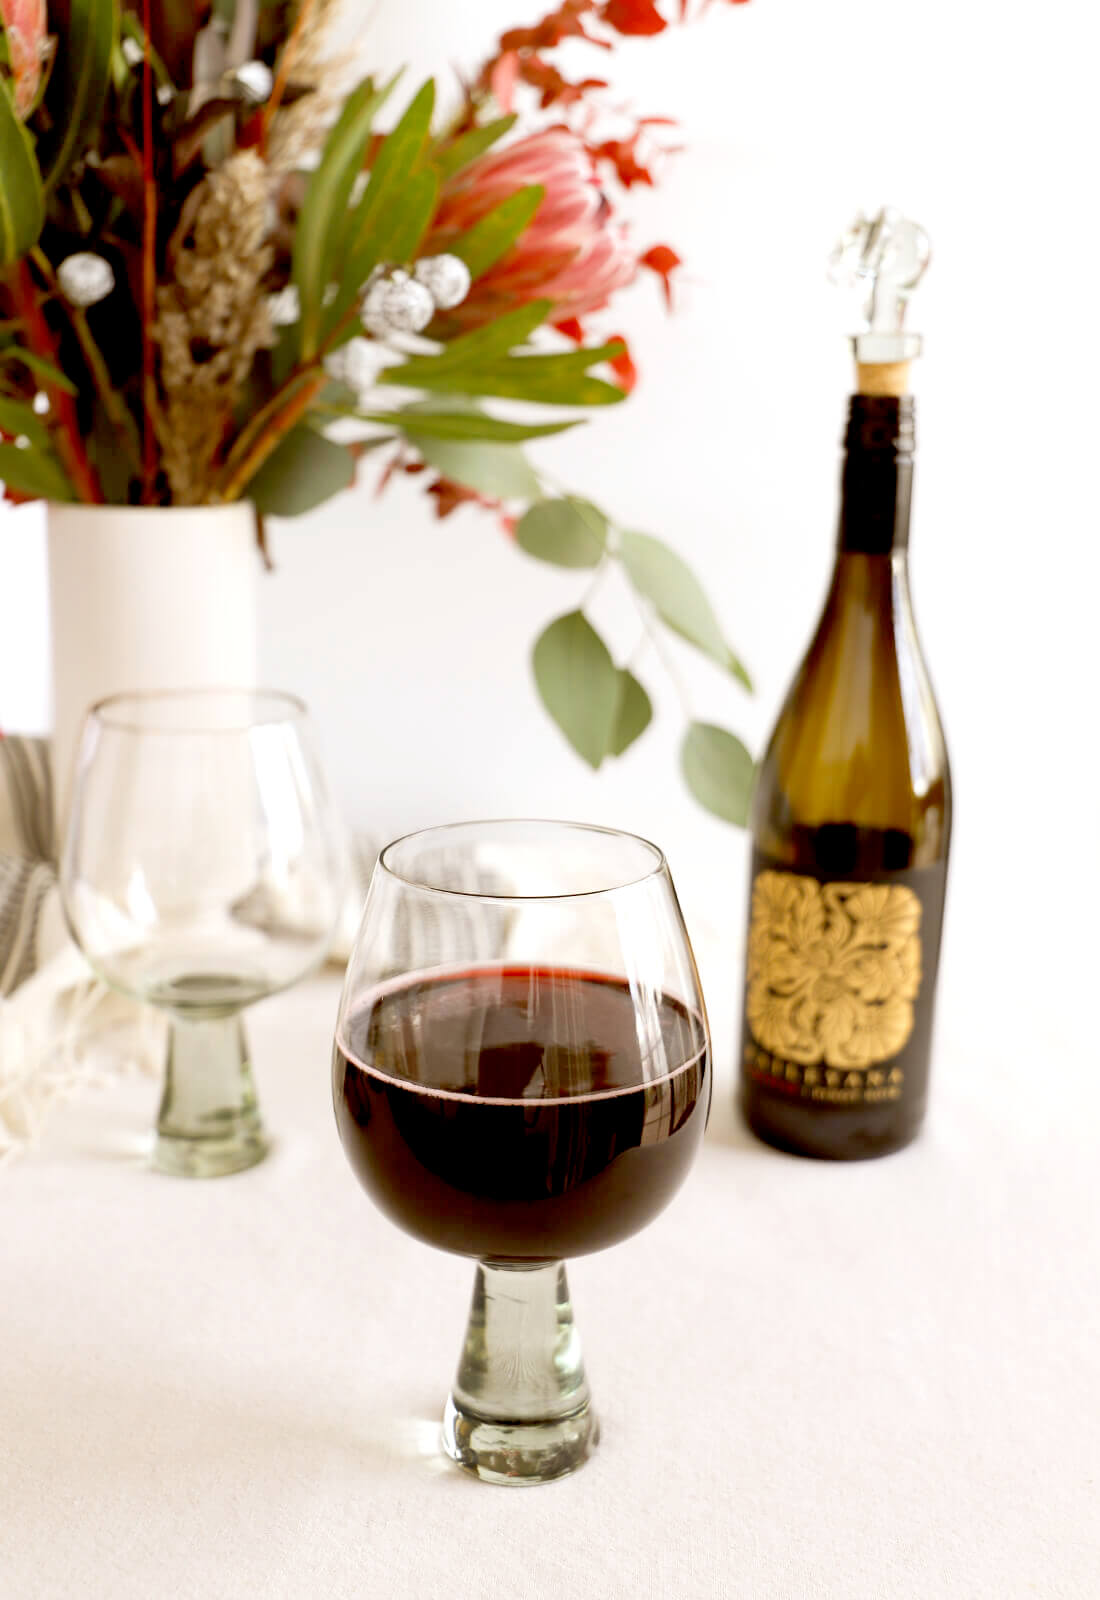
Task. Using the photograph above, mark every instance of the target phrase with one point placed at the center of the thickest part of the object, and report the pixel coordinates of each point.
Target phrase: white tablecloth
(868, 1380)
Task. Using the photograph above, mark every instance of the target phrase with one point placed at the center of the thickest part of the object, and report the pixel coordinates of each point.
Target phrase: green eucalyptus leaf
(80, 81)
(22, 206)
(634, 715)
(579, 684)
(567, 533)
(44, 370)
(658, 573)
(483, 245)
(499, 470)
(304, 471)
(321, 234)
(468, 146)
(718, 770)
(16, 417)
(33, 472)
(442, 424)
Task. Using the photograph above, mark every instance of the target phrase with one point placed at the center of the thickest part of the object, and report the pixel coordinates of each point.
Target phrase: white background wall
(410, 638)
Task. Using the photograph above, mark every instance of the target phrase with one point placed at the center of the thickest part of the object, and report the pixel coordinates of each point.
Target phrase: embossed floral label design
(833, 969)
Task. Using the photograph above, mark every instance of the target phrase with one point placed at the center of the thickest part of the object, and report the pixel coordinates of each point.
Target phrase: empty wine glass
(202, 871)
(520, 1075)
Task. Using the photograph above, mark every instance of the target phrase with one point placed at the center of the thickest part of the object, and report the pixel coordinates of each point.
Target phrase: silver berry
(396, 303)
(254, 81)
(85, 278)
(356, 364)
(446, 278)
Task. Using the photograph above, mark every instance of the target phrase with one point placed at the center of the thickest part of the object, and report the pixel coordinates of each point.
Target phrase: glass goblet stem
(209, 1121)
(520, 1410)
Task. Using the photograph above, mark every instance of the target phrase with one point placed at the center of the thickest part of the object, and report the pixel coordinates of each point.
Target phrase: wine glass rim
(278, 706)
(658, 866)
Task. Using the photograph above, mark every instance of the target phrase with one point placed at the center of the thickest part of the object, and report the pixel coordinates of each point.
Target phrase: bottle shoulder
(859, 739)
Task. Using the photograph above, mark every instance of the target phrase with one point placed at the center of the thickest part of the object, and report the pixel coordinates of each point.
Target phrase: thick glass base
(520, 1411)
(208, 1157)
(519, 1453)
(209, 1124)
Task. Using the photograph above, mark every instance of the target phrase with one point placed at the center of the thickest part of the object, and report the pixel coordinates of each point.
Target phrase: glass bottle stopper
(882, 258)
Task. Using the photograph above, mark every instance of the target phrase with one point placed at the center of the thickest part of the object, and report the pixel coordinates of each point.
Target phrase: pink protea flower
(572, 252)
(28, 48)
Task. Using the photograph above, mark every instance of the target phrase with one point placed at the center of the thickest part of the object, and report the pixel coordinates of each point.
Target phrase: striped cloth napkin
(27, 856)
(61, 1029)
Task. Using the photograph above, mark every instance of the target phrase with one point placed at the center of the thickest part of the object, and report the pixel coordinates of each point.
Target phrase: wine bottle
(851, 814)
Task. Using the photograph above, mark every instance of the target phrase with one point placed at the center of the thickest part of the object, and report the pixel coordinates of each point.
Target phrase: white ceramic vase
(146, 597)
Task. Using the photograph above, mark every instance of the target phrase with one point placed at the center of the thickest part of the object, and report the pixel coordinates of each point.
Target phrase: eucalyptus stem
(594, 583)
(653, 634)
(249, 434)
(282, 412)
(264, 447)
(116, 408)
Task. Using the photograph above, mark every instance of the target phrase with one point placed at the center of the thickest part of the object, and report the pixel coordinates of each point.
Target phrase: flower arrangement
(219, 280)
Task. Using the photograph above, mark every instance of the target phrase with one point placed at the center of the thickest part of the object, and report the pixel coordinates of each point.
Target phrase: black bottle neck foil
(877, 477)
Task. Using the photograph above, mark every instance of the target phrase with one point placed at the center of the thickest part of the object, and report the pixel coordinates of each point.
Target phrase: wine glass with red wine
(521, 1074)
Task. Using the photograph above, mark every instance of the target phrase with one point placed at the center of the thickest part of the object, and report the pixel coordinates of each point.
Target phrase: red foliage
(623, 366)
(513, 67)
(567, 22)
(571, 328)
(501, 76)
(622, 156)
(662, 260)
(450, 495)
(633, 17)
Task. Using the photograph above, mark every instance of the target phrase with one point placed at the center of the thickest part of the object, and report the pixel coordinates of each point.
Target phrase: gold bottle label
(833, 972)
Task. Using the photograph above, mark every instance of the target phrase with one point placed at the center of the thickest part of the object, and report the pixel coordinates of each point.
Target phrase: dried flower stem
(212, 318)
(286, 62)
(69, 439)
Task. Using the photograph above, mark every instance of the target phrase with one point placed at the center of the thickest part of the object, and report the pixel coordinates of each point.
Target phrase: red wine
(521, 1113)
